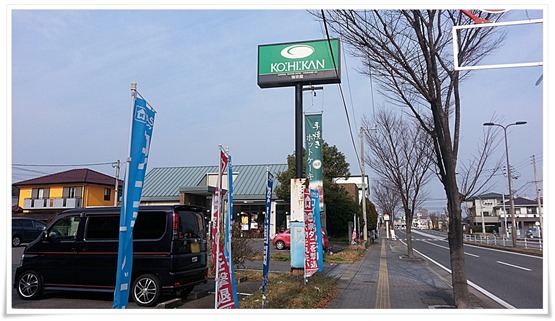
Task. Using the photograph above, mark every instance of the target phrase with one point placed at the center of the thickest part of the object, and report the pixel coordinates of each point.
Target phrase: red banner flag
(216, 201)
(224, 298)
(224, 290)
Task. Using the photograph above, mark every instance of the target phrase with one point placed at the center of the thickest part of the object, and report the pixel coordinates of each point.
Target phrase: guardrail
(527, 243)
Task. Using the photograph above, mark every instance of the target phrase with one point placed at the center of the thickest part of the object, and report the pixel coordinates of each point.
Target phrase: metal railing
(526, 243)
(51, 203)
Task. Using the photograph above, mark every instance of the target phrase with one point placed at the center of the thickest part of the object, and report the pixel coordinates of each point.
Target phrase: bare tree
(401, 154)
(385, 196)
(410, 52)
(469, 183)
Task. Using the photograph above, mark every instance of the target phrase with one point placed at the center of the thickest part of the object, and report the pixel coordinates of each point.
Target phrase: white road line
(446, 247)
(515, 266)
(472, 284)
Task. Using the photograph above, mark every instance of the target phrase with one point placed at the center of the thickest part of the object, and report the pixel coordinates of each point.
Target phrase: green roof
(250, 183)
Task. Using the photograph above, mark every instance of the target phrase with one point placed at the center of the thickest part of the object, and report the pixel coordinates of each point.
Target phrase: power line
(61, 165)
(341, 92)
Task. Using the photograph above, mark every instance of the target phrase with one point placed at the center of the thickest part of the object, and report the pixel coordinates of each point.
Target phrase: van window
(147, 226)
(191, 224)
(102, 228)
(65, 228)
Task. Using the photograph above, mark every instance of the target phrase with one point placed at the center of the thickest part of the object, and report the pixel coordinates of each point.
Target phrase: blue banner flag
(266, 262)
(141, 133)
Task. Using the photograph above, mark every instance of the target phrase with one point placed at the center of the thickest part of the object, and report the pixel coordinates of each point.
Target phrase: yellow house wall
(94, 196)
(26, 192)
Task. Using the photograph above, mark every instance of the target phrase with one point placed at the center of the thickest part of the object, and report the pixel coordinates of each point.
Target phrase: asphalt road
(515, 280)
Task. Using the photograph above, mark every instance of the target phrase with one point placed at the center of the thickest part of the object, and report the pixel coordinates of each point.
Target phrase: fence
(527, 243)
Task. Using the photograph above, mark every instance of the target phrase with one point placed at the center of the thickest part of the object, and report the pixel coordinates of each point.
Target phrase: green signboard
(307, 62)
(314, 158)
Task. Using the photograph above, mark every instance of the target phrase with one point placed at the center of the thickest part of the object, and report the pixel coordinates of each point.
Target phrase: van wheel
(16, 241)
(146, 290)
(280, 245)
(29, 285)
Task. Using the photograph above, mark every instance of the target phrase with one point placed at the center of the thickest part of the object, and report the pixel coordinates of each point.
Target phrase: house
(490, 212)
(195, 185)
(528, 214)
(43, 197)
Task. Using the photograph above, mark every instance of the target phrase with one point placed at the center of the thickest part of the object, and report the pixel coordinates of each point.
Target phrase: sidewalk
(383, 279)
(386, 279)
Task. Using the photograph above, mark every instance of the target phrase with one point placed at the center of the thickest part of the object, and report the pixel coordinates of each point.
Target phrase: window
(65, 228)
(107, 193)
(102, 228)
(40, 224)
(106, 227)
(149, 225)
(40, 193)
(26, 223)
(531, 210)
(71, 192)
(191, 224)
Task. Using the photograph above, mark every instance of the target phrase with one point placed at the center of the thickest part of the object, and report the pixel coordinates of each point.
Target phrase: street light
(512, 203)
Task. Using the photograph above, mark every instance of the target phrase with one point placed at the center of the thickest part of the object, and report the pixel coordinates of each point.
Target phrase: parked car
(533, 233)
(283, 240)
(78, 251)
(25, 230)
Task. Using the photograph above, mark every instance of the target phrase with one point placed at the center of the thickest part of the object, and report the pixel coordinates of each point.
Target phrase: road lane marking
(515, 266)
(472, 284)
(446, 247)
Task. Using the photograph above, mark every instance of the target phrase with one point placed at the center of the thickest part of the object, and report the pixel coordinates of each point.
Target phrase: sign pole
(298, 130)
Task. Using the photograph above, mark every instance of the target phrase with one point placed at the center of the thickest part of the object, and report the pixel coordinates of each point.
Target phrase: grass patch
(350, 254)
(288, 291)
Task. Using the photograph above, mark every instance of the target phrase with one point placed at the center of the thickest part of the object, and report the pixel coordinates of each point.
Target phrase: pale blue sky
(72, 70)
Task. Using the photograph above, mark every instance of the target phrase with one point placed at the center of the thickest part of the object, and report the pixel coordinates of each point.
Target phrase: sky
(71, 71)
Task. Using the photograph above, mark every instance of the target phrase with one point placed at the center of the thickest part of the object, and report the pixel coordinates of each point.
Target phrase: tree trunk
(456, 250)
(456, 246)
(408, 220)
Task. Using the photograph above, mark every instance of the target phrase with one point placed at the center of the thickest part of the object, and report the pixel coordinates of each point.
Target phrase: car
(78, 251)
(25, 230)
(533, 233)
(283, 240)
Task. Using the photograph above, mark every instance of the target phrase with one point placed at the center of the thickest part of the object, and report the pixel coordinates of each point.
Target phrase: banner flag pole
(266, 261)
(229, 231)
(226, 297)
(142, 123)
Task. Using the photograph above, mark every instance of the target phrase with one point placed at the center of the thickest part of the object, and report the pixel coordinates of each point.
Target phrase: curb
(170, 304)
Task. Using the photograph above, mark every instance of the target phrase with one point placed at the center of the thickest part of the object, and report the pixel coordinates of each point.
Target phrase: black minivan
(78, 252)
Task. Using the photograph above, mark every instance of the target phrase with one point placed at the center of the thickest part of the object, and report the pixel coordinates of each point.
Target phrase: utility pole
(538, 195)
(363, 186)
(509, 178)
(117, 166)
(482, 215)
(505, 215)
